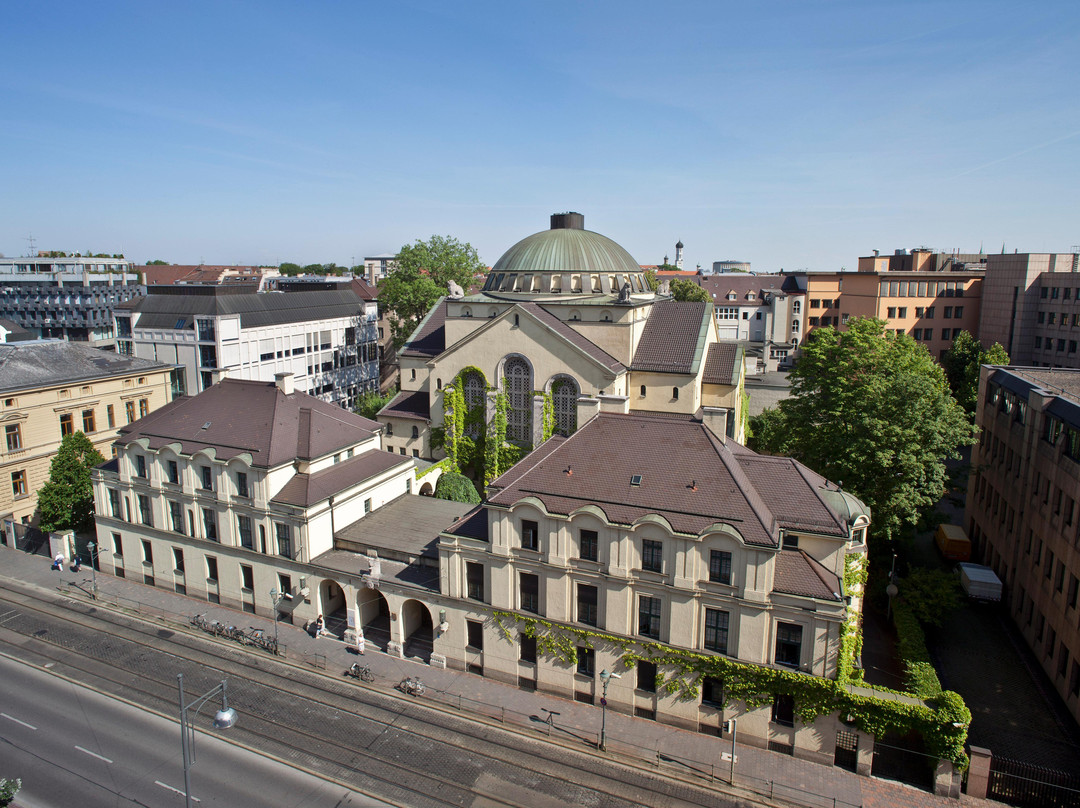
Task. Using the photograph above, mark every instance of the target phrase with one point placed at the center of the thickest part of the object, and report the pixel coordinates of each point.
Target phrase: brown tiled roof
(429, 338)
(796, 573)
(688, 476)
(363, 289)
(721, 363)
(573, 337)
(673, 340)
(409, 405)
(473, 525)
(792, 490)
(304, 490)
(238, 416)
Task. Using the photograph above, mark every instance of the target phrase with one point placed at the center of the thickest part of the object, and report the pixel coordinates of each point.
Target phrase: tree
(930, 594)
(456, 487)
(688, 290)
(870, 410)
(961, 363)
(66, 501)
(157, 263)
(289, 269)
(419, 277)
(368, 404)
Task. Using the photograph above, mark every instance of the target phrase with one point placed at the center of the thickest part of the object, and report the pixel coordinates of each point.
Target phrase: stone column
(946, 780)
(978, 780)
(537, 420)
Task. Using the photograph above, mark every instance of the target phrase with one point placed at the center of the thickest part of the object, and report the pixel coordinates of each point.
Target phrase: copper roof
(687, 475)
(304, 490)
(722, 363)
(673, 340)
(236, 417)
(797, 573)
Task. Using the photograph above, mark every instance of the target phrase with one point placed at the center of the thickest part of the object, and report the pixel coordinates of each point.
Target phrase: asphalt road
(73, 746)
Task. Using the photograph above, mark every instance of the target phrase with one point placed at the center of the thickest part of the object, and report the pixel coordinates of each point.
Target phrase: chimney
(284, 382)
(715, 420)
(876, 253)
(568, 221)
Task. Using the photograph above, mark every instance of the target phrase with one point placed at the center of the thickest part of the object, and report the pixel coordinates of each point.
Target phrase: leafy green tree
(688, 290)
(289, 269)
(420, 276)
(871, 410)
(456, 488)
(66, 501)
(961, 363)
(157, 262)
(930, 594)
(368, 404)
(652, 279)
(9, 787)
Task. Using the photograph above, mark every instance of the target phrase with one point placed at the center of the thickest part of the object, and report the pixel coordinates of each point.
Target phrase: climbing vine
(495, 438)
(548, 426)
(855, 574)
(942, 720)
(453, 421)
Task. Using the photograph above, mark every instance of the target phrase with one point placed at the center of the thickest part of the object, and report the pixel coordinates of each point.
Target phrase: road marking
(17, 721)
(174, 790)
(93, 754)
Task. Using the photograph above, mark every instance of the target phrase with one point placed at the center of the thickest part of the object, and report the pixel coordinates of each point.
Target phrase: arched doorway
(332, 608)
(373, 616)
(426, 490)
(417, 630)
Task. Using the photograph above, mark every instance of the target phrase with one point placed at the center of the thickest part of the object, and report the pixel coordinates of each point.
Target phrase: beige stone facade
(48, 389)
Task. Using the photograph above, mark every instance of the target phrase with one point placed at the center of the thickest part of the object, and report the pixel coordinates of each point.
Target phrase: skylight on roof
(635, 480)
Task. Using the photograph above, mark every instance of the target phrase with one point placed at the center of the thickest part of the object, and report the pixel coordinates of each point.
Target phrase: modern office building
(326, 338)
(565, 314)
(49, 389)
(70, 298)
(1023, 509)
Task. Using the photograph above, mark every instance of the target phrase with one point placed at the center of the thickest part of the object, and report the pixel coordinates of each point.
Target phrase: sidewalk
(635, 741)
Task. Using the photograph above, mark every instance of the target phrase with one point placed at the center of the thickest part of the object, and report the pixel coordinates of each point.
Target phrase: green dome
(566, 250)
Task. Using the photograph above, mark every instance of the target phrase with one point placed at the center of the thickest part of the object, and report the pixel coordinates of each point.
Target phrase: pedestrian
(360, 641)
(58, 562)
(319, 627)
(77, 566)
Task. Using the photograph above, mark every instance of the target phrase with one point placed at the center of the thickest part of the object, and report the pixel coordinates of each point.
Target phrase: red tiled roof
(688, 476)
(673, 340)
(796, 573)
(364, 290)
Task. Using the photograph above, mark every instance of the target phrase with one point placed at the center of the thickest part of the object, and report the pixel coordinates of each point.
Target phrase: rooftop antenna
(30, 238)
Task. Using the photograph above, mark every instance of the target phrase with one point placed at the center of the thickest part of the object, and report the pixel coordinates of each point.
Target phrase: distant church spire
(678, 254)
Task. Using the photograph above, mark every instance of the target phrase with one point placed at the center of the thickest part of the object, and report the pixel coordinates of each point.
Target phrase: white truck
(979, 582)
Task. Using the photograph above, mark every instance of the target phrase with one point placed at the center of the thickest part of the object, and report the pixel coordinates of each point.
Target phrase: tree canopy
(688, 290)
(961, 363)
(368, 404)
(419, 277)
(870, 410)
(456, 487)
(66, 501)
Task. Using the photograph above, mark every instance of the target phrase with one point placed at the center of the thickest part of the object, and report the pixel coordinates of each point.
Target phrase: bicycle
(364, 674)
(411, 686)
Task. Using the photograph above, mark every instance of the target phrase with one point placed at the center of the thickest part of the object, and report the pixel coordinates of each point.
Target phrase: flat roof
(408, 525)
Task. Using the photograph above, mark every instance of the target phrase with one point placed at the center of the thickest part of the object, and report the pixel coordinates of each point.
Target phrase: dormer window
(732, 296)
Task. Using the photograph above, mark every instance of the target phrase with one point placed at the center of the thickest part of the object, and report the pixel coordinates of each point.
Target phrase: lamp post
(731, 724)
(891, 590)
(276, 597)
(92, 547)
(223, 719)
(605, 678)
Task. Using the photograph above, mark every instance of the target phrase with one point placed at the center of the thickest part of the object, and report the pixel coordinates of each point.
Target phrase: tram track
(364, 737)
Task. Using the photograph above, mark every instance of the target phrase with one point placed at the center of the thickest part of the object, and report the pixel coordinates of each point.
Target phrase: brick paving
(633, 740)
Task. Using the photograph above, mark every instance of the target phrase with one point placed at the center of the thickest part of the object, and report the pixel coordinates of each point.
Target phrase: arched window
(473, 391)
(416, 432)
(389, 430)
(675, 393)
(794, 326)
(796, 306)
(564, 396)
(519, 387)
(642, 391)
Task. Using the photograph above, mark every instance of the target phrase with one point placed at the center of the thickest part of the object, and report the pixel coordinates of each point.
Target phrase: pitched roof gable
(674, 337)
(429, 337)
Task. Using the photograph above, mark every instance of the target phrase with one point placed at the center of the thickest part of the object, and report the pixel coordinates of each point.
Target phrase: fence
(1030, 786)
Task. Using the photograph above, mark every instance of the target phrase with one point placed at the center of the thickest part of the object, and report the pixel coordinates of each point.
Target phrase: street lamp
(276, 597)
(891, 590)
(605, 678)
(92, 547)
(223, 719)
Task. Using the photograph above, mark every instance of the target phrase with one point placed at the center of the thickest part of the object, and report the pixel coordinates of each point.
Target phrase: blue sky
(791, 135)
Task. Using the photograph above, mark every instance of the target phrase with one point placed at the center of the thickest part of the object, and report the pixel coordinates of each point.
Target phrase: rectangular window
(110, 415)
(928, 334)
(211, 569)
(588, 545)
(243, 526)
(241, 484)
(788, 644)
(129, 410)
(114, 504)
(902, 311)
(18, 483)
(247, 577)
(1074, 591)
(88, 423)
(586, 661)
(172, 471)
(646, 676)
(284, 539)
(530, 593)
(587, 597)
(712, 691)
(147, 552)
(178, 559)
(118, 545)
(67, 424)
(210, 523)
(530, 535)
(652, 555)
(474, 581)
(649, 617)
(144, 510)
(716, 630)
(783, 711)
(1059, 579)
(13, 433)
(207, 477)
(144, 408)
(176, 517)
(720, 566)
(475, 634)
(140, 466)
(527, 646)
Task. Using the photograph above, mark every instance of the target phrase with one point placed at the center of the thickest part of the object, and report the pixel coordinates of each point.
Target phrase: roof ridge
(744, 483)
(818, 568)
